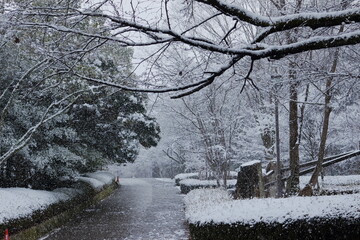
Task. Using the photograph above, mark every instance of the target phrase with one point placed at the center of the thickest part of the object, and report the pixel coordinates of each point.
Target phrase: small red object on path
(7, 235)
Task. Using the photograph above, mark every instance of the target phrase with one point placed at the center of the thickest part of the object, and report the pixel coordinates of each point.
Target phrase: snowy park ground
(21, 202)
(204, 206)
(336, 183)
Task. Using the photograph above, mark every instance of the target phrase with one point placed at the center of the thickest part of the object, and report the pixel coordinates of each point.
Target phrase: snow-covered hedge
(212, 214)
(183, 176)
(105, 177)
(97, 180)
(20, 202)
(21, 208)
(187, 185)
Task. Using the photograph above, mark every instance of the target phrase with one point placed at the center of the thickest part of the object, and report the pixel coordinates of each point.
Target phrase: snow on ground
(233, 174)
(19, 202)
(334, 180)
(335, 183)
(215, 205)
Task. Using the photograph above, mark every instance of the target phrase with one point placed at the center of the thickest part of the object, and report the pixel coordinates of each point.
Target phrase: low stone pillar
(250, 181)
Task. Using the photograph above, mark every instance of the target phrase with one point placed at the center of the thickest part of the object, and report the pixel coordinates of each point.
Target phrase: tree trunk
(279, 184)
(327, 110)
(292, 186)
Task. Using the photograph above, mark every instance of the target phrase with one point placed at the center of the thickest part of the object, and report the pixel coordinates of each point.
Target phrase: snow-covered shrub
(187, 185)
(213, 215)
(183, 176)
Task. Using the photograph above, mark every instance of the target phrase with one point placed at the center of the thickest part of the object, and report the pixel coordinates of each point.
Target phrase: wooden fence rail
(312, 165)
(327, 162)
(327, 159)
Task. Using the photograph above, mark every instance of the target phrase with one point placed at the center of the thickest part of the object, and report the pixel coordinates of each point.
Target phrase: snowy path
(141, 209)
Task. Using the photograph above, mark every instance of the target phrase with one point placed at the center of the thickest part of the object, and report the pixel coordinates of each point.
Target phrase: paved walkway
(141, 209)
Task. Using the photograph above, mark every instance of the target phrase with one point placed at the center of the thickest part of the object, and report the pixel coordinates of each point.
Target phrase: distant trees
(214, 118)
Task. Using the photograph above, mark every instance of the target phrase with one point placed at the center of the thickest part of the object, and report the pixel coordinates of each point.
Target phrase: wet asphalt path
(141, 209)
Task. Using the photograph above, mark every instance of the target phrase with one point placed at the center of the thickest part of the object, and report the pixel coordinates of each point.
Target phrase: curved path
(141, 209)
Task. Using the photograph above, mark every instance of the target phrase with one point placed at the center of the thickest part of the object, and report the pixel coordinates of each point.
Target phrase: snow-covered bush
(183, 176)
(212, 214)
(97, 180)
(19, 202)
(187, 185)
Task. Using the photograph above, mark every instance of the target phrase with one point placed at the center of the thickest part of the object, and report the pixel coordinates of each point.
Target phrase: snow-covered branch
(312, 20)
(135, 31)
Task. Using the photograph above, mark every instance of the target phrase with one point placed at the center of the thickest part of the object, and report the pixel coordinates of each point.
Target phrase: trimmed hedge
(311, 229)
(186, 188)
(183, 176)
(43, 221)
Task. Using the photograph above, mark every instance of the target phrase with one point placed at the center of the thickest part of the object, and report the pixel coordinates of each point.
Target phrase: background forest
(58, 119)
(233, 120)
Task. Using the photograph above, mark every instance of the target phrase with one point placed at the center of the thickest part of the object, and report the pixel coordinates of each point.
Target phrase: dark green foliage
(16, 173)
(186, 188)
(114, 125)
(102, 126)
(304, 229)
